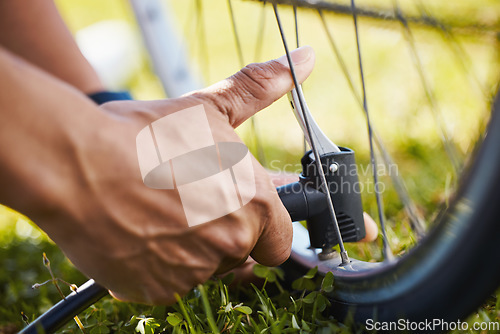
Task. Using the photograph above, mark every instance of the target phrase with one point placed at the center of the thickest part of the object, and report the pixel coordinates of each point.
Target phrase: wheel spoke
(449, 146)
(458, 51)
(236, 36)
(296, 23)
(297, 45)
(260, 35)
(253, 122)
(343, 253)
(386, 249)
(203, 45)
(416, 220)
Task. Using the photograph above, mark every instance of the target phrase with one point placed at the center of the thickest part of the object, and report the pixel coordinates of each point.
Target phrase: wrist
(44, 122)
(104, 96)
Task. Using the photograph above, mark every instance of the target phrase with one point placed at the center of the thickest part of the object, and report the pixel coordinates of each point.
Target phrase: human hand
(134, 240)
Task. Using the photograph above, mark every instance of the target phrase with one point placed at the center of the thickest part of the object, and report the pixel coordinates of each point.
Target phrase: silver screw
(334, 167)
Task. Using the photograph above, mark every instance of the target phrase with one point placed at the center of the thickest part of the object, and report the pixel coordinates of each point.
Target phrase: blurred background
(460, 66)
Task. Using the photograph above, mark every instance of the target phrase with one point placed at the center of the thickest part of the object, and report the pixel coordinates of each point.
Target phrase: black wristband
(106, 96)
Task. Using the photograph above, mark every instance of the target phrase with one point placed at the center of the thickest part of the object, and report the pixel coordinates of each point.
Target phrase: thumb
(257, 85)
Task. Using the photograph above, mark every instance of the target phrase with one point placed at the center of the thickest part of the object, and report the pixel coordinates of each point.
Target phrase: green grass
(400, 111)
(216, 306)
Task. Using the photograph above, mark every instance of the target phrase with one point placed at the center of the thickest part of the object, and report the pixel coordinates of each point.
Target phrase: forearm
(42, 123)
(73, 168)
(34, 30)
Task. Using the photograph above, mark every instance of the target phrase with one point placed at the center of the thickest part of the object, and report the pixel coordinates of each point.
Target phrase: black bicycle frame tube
(66, 309)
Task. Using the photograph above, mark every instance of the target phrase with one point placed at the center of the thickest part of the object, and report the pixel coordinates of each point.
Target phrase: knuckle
(257, 79)
(264, 199)
(241, 242)
(237, 238)
(259, 71)
(220, 99)
(250, 86)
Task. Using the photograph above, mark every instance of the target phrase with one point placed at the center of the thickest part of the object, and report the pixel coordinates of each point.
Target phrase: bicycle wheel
(457, 256)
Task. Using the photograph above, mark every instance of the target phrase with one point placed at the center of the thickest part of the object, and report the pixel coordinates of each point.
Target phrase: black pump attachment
(305, 200)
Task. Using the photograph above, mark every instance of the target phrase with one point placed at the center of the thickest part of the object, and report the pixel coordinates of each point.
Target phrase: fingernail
(299, 56)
